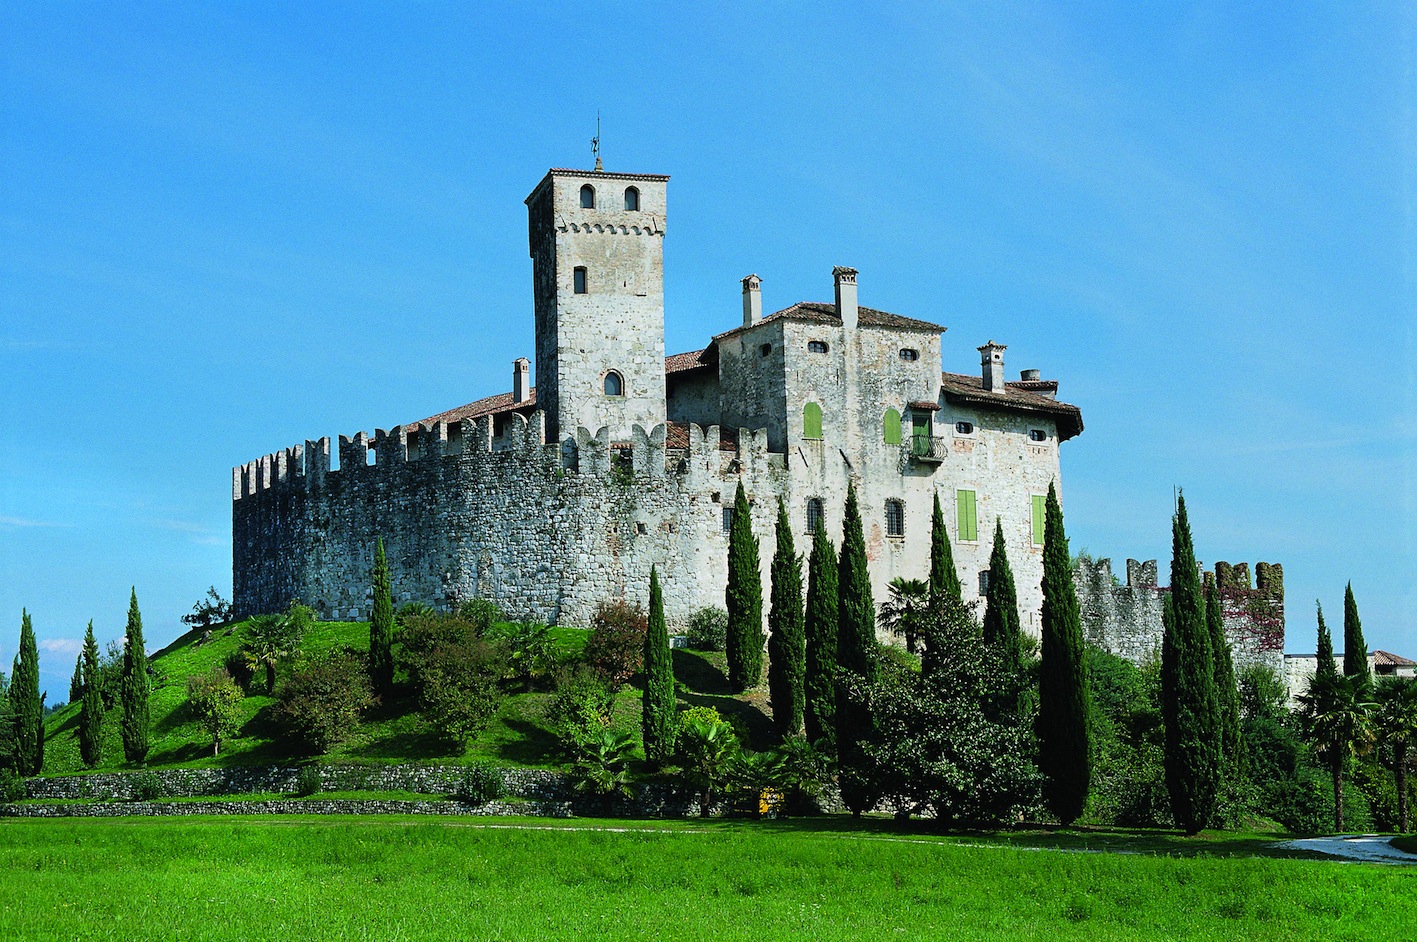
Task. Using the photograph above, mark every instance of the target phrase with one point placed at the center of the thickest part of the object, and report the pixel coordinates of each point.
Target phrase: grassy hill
(392, 732)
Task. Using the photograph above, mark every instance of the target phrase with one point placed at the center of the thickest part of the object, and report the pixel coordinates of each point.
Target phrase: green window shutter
(811, 420)
(1039, 504)
(892, 427)
(920, 433)
(965, 521)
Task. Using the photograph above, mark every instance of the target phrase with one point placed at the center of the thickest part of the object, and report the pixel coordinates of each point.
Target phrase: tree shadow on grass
(698, 673)
(532, 745)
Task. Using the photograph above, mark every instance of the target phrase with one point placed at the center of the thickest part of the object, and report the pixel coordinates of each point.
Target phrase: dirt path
(1370, 847)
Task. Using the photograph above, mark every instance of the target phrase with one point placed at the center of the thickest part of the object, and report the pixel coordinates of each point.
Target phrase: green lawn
(402, 878)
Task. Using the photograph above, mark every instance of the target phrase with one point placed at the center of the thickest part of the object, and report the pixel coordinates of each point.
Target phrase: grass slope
(394, 732)
(399, 878)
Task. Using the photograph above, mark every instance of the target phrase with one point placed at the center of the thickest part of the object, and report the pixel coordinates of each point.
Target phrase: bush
(321, 701)
(460, 688)
(147, 786)
(616, 647)
(531, 654)
(482, 613)
(481, 783)
(216, 700)
(707, 752)
(602, 766)
(580, 710)
(308, 782)
(708, 629)
(239, 669)
(12, 786)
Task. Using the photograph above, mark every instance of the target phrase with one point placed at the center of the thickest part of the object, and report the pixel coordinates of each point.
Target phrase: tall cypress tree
(76, 682)
(1064, 697)
(744, 599)
(660, 718)
(787, 643)
(1227, 694)
(1190, 710)
(820, 705)
(856, 651)
(1002, 628)
(943, 578)
(1326, 666)
(381, 625)
(91, 705)
(1355, 649)
(26, 702)
(134, 688)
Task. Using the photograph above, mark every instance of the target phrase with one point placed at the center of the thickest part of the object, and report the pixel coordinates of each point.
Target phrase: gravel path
(1369, 847)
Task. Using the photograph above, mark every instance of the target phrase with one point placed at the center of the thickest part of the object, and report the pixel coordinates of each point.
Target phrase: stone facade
(552, 500)
(1125, 618)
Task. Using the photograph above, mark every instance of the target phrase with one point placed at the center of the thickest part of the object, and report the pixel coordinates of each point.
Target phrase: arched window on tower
(614, 384)
(892, 427)
(587, 197)
(632, 199)
(812, 421)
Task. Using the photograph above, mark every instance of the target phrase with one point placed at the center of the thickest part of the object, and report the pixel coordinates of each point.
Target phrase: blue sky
(224, 231)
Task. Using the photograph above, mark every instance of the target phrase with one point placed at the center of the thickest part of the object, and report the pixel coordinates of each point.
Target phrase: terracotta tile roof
(826, 313)
(1388, 659)
(676, 435)
(969, 390)
(492, 405)
(693, 360)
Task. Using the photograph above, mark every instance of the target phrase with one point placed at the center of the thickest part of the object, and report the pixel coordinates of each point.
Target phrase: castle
(552, 499)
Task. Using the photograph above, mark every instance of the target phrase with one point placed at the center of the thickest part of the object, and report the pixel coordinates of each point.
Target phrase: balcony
(928, 450)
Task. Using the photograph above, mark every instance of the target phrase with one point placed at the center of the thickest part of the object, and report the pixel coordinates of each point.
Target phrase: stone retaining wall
(544, 809)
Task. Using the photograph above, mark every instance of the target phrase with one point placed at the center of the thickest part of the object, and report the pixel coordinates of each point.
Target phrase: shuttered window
(892, 427)
(1039, 515)
(966, 523)
(811, 420)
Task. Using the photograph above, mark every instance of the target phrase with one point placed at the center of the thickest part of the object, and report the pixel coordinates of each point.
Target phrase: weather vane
(595, 141)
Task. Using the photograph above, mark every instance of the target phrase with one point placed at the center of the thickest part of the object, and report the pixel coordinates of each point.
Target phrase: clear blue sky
(228, 228)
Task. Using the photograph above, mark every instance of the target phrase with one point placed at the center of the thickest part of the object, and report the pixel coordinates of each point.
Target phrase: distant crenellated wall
(1125, 618)
(547, 530)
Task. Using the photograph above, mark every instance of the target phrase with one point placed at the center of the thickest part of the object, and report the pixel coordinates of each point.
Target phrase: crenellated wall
(1125, 618)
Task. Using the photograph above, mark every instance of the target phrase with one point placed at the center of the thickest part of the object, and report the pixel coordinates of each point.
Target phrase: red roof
(1388, 659)
(826, 313)
(968, 389)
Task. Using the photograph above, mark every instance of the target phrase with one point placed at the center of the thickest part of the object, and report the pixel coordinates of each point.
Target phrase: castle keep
(552, 499)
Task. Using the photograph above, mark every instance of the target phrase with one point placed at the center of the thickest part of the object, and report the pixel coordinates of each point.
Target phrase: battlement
(506, 437)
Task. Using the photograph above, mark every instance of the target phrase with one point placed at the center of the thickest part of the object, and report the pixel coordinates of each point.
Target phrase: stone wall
(1125, 618)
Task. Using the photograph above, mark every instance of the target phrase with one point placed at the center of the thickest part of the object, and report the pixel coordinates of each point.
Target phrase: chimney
(1029, 376)
(845, 296)
(752, 300)
(521, 379)
(991, 358)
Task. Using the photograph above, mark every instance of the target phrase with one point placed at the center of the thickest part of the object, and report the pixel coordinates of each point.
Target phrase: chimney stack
(521, 380)
(846, 296)
(991, 358)
(752, 300)
(1029, 376)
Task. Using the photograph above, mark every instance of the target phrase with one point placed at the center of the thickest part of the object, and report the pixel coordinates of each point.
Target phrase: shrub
(531, 654)
(308, 782)
(483, 613)
(239, 669)
(210, 610)
(12, 786)
(147, 786)
(216, 700)
(615, 649)
(707, 751)
(580, 710)
(426, 632)
(482, 782)
(708, 629)
(602, 765)
(321, 701)
(460, 688)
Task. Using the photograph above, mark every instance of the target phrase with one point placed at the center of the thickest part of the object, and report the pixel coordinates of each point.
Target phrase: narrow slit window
(966, 519)
(727, 519)
(578, 280)
(895, 518)
(812, 421)
(587, 197)
(814, 514)
(1040, 514)
(632, 199)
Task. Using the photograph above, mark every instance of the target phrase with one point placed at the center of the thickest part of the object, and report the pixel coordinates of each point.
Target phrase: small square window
(641, 529)
(765, 349)
(964, 428)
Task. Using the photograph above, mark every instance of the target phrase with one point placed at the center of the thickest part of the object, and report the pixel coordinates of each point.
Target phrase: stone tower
(597, 249)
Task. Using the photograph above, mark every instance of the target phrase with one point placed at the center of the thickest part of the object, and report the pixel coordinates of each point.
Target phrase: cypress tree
(744, 599)
(1002, 628)
(381, 625)
(1064, 699)
(91, 706)
(1355, 649)
(135, 686)
(1326, 666)
(26, 702)
(855, 652)
(943, 578)
(787, 651)
(820, 705)
(1227, 693)
(76, 682)
(1190, 710)
(660, 718)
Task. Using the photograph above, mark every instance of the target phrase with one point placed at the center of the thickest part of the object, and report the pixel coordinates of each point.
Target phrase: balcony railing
(928, 450)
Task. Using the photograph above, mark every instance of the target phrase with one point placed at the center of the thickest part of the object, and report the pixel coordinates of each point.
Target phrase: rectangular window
(578, 284)
(966, 523)
(920, 433)
(895, 518)
(1040, 513)
(814, 514)
(727, 519)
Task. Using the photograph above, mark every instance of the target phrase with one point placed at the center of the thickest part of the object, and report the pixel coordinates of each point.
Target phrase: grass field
(392, 878)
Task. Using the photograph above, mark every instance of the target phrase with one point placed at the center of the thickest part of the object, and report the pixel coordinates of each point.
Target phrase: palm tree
(902, 612)
(1395, 720)
(1337, 721)
(270, 639)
